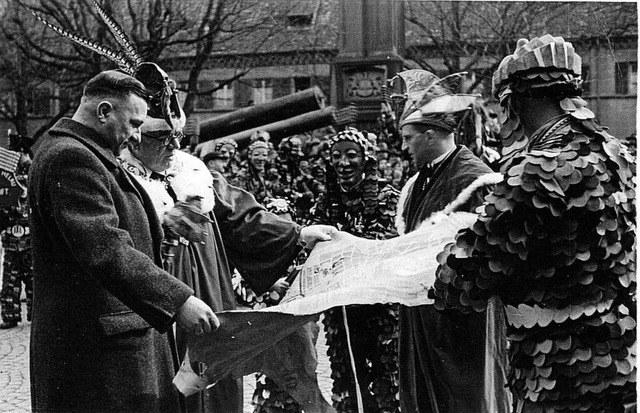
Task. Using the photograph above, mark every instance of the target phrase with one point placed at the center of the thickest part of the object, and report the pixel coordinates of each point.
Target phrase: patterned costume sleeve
(319, 211)
(240, 179)
(556, 243)
(386, 216)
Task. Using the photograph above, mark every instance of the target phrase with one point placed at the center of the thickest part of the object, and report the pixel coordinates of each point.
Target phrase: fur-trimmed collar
(461, 199)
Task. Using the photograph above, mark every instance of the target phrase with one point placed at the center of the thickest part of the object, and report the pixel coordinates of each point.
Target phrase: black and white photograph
(318, 206)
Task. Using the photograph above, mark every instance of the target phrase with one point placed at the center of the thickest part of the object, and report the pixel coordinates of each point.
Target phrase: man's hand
(310, 235)
(196, 317)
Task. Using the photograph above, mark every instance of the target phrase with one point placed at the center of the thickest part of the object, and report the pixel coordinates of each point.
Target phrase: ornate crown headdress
(163, 98)
(225, 141)
(259, 144)
(544, 66)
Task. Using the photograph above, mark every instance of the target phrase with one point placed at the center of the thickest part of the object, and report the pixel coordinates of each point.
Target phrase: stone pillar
(371, 42)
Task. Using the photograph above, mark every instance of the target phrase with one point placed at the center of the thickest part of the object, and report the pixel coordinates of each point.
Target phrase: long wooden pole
(297, 124)
(286, 107)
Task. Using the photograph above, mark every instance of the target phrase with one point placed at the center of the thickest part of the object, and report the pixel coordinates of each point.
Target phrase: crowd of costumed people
(350, 179)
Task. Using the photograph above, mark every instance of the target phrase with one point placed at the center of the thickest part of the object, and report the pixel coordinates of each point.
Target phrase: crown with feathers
(163, 98)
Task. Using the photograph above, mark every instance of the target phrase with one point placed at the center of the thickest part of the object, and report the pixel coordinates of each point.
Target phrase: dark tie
(426, 174)
(157, 177)
(420, 186)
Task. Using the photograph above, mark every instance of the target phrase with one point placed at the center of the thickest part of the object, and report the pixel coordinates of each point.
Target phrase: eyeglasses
(164, 137)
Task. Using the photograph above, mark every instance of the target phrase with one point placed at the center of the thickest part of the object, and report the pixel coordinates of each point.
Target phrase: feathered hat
(163, 97)
(413, 89)
(442, 111)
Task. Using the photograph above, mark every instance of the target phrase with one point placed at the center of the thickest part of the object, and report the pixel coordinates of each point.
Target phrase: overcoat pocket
(122, 322)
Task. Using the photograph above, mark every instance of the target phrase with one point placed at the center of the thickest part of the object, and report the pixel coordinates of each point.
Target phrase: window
(301, 14)
(8, 101)
(586, 81)
(626, 78)
(214, 97)
(223, 97)
(262, 91)
(205, 101)
(301, 83)
(40, 102)
(300, 20)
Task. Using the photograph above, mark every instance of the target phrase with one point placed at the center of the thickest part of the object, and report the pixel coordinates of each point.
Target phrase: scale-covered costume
(555, 241)
(367, 210)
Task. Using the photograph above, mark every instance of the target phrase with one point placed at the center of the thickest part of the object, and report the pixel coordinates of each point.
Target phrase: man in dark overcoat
(448, 363)
(102, 303)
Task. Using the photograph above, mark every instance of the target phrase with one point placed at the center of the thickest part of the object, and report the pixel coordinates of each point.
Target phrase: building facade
(301, 56)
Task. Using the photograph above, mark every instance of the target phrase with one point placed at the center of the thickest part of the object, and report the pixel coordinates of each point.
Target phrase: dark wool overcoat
(101, 302)
(244, 235)
(442, 355)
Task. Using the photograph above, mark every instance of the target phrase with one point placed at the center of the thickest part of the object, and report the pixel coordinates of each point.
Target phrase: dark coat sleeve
(83, 203)
(260, 244)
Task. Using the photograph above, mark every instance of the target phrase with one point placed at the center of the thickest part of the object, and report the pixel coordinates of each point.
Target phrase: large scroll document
(280, 340)
(351, 270)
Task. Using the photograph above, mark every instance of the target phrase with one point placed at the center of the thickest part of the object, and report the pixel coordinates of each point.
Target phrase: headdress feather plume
(127, 47)
(117, 57)
(163, 96)
(451, 82)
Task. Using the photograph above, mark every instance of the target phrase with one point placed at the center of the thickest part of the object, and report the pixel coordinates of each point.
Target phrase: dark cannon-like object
(308, 100)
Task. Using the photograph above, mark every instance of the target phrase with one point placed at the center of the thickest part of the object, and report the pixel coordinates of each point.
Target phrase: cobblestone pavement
(14, 370)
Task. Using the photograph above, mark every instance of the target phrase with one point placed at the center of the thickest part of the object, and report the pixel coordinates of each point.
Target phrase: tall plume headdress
(163, 97)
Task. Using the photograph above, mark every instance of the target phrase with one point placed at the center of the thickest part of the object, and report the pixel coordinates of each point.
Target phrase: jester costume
(17, 267)
(555, 241)
(368, 211)
(252, 180)
(231, 147)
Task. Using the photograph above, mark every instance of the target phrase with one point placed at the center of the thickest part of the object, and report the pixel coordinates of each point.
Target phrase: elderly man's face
(157, 148)
(126, 118)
